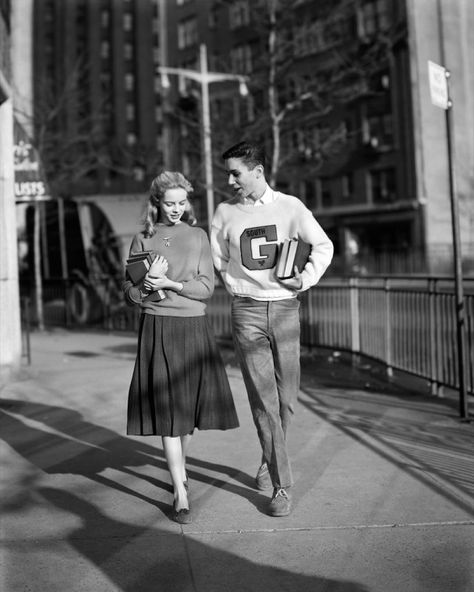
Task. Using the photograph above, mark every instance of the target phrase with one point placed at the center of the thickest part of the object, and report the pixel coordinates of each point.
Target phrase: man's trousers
(267, 339)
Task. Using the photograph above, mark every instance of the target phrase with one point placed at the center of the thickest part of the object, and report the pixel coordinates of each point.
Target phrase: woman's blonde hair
(160, 184)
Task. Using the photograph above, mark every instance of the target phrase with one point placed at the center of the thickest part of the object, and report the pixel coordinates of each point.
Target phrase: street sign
(438, 79)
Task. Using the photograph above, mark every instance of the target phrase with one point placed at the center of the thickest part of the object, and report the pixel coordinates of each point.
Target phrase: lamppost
(204, 78)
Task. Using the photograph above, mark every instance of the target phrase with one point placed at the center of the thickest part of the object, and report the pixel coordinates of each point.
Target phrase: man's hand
(293, 283)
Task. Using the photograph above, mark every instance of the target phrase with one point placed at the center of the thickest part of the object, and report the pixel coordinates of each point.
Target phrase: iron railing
(407, 323)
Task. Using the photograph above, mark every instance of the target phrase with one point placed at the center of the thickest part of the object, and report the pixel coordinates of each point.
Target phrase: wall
(442, 31)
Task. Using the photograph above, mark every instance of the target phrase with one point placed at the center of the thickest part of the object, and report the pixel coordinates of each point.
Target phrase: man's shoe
(262, 480)
(280, 504)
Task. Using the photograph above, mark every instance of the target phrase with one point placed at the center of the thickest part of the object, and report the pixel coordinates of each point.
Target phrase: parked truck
(84, 242)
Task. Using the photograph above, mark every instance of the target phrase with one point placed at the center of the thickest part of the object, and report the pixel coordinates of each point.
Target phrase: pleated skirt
(179, 381)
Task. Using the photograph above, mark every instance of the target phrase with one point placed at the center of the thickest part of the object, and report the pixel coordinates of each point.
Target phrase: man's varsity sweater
(245, 239)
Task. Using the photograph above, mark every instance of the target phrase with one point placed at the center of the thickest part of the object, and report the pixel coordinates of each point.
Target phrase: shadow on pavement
(79, 447)
(150, 559)
(419, 436)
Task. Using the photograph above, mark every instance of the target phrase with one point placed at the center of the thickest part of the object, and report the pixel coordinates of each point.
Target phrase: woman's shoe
(182, 516)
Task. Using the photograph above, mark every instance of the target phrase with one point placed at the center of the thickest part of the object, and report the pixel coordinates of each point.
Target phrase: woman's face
(173, 205)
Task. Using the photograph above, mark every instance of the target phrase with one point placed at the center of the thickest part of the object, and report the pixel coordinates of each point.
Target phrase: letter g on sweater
(258, 247)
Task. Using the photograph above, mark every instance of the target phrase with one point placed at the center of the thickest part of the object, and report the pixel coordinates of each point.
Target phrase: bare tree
(74, 149)
(297, 111)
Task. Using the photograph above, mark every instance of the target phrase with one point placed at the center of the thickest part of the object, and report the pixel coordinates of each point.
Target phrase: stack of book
(137, 266)
(294, 252)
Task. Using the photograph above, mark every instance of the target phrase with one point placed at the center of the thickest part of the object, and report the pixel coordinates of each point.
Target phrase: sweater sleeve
(131, 292)
(201, 287)
(321, 252)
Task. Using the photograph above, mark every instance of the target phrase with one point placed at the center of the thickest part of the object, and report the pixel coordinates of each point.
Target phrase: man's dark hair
(251, 153)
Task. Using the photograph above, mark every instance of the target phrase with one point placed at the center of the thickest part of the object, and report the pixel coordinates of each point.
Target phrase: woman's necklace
(166, 239)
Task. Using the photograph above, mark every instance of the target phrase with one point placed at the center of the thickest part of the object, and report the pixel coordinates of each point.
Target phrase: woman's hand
(161, 283)
(158, 268)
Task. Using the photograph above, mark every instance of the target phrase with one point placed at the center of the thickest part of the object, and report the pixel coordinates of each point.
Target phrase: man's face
(244, 181)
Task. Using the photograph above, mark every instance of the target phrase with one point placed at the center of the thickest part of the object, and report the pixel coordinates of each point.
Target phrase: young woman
(179, 381)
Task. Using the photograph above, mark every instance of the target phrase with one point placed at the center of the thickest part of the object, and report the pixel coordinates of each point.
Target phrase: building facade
(97, 98)
(360, 141)
(357, 137)
(10, 329)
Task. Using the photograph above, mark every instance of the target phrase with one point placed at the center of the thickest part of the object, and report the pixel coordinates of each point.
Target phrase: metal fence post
(388, 328)
(25, 306)
(307, 321)
(433, 332)
(355, 317)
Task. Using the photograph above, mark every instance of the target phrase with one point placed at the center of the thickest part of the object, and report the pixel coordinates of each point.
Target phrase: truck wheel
(79, 304)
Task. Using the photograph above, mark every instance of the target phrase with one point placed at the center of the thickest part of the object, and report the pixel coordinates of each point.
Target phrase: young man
(245, 237)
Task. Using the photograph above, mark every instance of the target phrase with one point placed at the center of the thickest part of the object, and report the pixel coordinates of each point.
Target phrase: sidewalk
(383, 500)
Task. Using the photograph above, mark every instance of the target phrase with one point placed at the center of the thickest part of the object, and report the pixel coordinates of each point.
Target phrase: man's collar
(267, 197)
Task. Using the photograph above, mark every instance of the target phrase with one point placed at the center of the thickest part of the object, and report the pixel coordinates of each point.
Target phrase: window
(128, 51)
(250, 108)
(239, 14)
(105, 19)
(187, 33)
(186, 165)
(325, 192)
(241, 59)
(315, 36)
(236, 111)
(130, 111)
(105, 80)
(374, 17)
(320, 135)
(307, 38)
(157, 84)
(212, 18)
(383, 185)
(138, 173)
(127, 22)
(310, 194)
(347, 183)
(129, 81)
(380, 130)
(105, 50)
(183, 129)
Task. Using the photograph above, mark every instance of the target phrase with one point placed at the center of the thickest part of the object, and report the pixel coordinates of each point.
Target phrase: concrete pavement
(383, 501)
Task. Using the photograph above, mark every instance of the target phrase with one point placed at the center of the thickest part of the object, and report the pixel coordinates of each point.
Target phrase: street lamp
(204, 77)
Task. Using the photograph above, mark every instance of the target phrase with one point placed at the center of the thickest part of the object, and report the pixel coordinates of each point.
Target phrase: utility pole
(440, 97)
(204, 78)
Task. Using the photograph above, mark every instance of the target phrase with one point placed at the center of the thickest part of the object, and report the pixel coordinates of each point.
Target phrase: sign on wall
(30, 184)
(438, 79)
